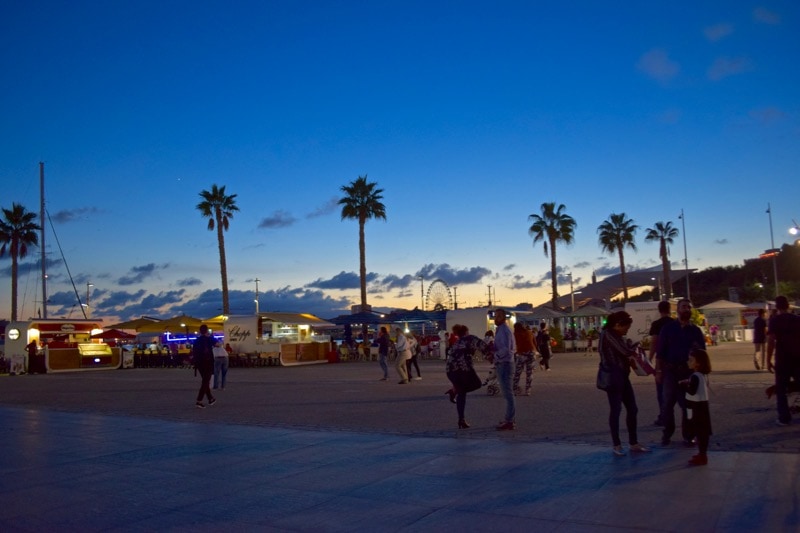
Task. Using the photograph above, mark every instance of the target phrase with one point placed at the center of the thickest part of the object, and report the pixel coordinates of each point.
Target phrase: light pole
(88, 309)
(422, 291)
(256, 300)
(685, 254)
(572, 311)
(660, 293)
(772, 249)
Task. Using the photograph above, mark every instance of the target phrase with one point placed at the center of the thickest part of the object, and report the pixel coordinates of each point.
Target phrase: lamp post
(88, 309)
(772, 249)
(685, 254)
(256, 300)
(660, 293)
(422, 291)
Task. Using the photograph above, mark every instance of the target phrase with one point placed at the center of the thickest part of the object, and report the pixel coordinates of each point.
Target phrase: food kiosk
(62, 345)
(279, 338)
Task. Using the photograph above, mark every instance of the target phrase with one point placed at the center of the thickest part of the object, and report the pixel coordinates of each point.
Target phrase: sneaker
(200, 405)
(781, 423)
(690, 443)
(698, 460)
(506, 426)
(418, 378)
(639, 448)
(212, 401)
(402, 382)
(619, 451)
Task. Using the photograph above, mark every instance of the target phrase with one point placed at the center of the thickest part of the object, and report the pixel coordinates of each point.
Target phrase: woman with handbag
(460, 371)
(617, 355)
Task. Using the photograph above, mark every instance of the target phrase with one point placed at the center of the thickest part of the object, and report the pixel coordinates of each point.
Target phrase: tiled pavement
(80, 470)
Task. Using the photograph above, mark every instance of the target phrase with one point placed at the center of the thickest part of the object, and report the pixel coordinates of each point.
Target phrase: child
(697, 410)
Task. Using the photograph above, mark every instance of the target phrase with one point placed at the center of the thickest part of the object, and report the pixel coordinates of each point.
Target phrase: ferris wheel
(438, 297)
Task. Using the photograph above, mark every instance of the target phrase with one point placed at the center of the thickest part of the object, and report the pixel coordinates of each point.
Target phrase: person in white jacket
(403, 354)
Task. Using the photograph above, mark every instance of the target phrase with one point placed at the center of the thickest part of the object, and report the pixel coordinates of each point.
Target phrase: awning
(297, 318)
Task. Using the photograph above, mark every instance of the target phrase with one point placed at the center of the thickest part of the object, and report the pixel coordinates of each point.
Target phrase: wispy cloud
(765, 16)
(657, 64)
(71, 215)
(728, 66)
(767, 115)
(718, 31)
(327, 208)
(278, 219)
(141, 273)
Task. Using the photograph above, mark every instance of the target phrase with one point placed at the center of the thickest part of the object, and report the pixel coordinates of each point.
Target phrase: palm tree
(219, 208)
(664, 233)
(362, 201)
(17, 232)
(616, 233)
(552, 226)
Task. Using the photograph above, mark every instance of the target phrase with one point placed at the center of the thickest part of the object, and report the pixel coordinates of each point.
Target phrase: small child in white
(697, 410)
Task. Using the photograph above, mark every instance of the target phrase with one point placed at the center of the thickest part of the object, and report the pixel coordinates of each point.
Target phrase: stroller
(492, 387)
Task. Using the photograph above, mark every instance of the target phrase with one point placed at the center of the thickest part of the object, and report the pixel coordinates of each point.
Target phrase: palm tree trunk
(362, 270)
(14, 271)
(553, 274)
(223, 265)
(622, 272)
(665, 269)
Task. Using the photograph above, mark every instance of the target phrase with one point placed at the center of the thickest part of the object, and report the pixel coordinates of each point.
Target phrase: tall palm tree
(17, 232)
(219, 208)
(552, 226)
(615, 234)
(362, 201)
(664, 233)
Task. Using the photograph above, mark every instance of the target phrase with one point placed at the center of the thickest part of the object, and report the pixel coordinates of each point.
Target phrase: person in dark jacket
(203, 358)
(616, 356)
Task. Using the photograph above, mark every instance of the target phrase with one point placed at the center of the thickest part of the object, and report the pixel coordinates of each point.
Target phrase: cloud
(721, 241)
(189, 282)
(727, 66)
(71, 215)
(453, 276)
(510, 267)
(765, 16)
(327, 208)
(520, 282)
(341, 281)
(141, 273)
(657, 64)
(670, 116)
(278, 219)
(767, 115)
(397, 282)
(718, 31)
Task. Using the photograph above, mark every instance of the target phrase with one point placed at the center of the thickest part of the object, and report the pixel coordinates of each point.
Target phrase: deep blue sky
(468, 114)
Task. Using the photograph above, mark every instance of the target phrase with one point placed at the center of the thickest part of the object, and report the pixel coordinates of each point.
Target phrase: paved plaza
(330, 448)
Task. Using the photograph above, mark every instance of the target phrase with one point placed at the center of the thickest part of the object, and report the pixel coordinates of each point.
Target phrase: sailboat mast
(41, 218)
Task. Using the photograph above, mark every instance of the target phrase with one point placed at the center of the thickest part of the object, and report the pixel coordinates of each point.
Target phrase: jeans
(205, 371)
(382, 361)
(617, 397)
(672, 394)
(504, 375)
(220, 369)
(461, 403)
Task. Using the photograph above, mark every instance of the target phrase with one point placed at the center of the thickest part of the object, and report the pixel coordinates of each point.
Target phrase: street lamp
(88, 309)
(660, 293)
(685, 254)
(422, 291)
(772, 248)
(256, 300)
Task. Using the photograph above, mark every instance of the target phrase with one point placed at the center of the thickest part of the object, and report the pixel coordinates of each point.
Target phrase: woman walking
(460, 371)
(616, 357)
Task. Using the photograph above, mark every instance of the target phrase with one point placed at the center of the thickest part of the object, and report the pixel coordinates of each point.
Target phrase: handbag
(605, 378)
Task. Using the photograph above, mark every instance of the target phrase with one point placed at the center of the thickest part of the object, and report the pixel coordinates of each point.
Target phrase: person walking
(460, 369)
(760, 341)
(383, 351)
(617, 355)
(526, 350)
(403, 355)
(543, 343)
(676, 340)
(203, 358)
(665, 310)
(784, 344)
(413, 346)
(697, 410)
(220, 365)
(504, 349)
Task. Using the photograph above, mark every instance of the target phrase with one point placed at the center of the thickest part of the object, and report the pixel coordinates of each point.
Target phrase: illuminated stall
(279, 338)
(58, 345)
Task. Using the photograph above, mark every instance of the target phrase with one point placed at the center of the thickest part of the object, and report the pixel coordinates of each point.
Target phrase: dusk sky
(468, 114)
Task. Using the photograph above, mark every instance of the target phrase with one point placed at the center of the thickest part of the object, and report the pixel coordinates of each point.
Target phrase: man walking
(784, 342)
(383, 351)
(664, 309)
(504, 349)
(403, 354)
(675, 341)
(760, 340)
